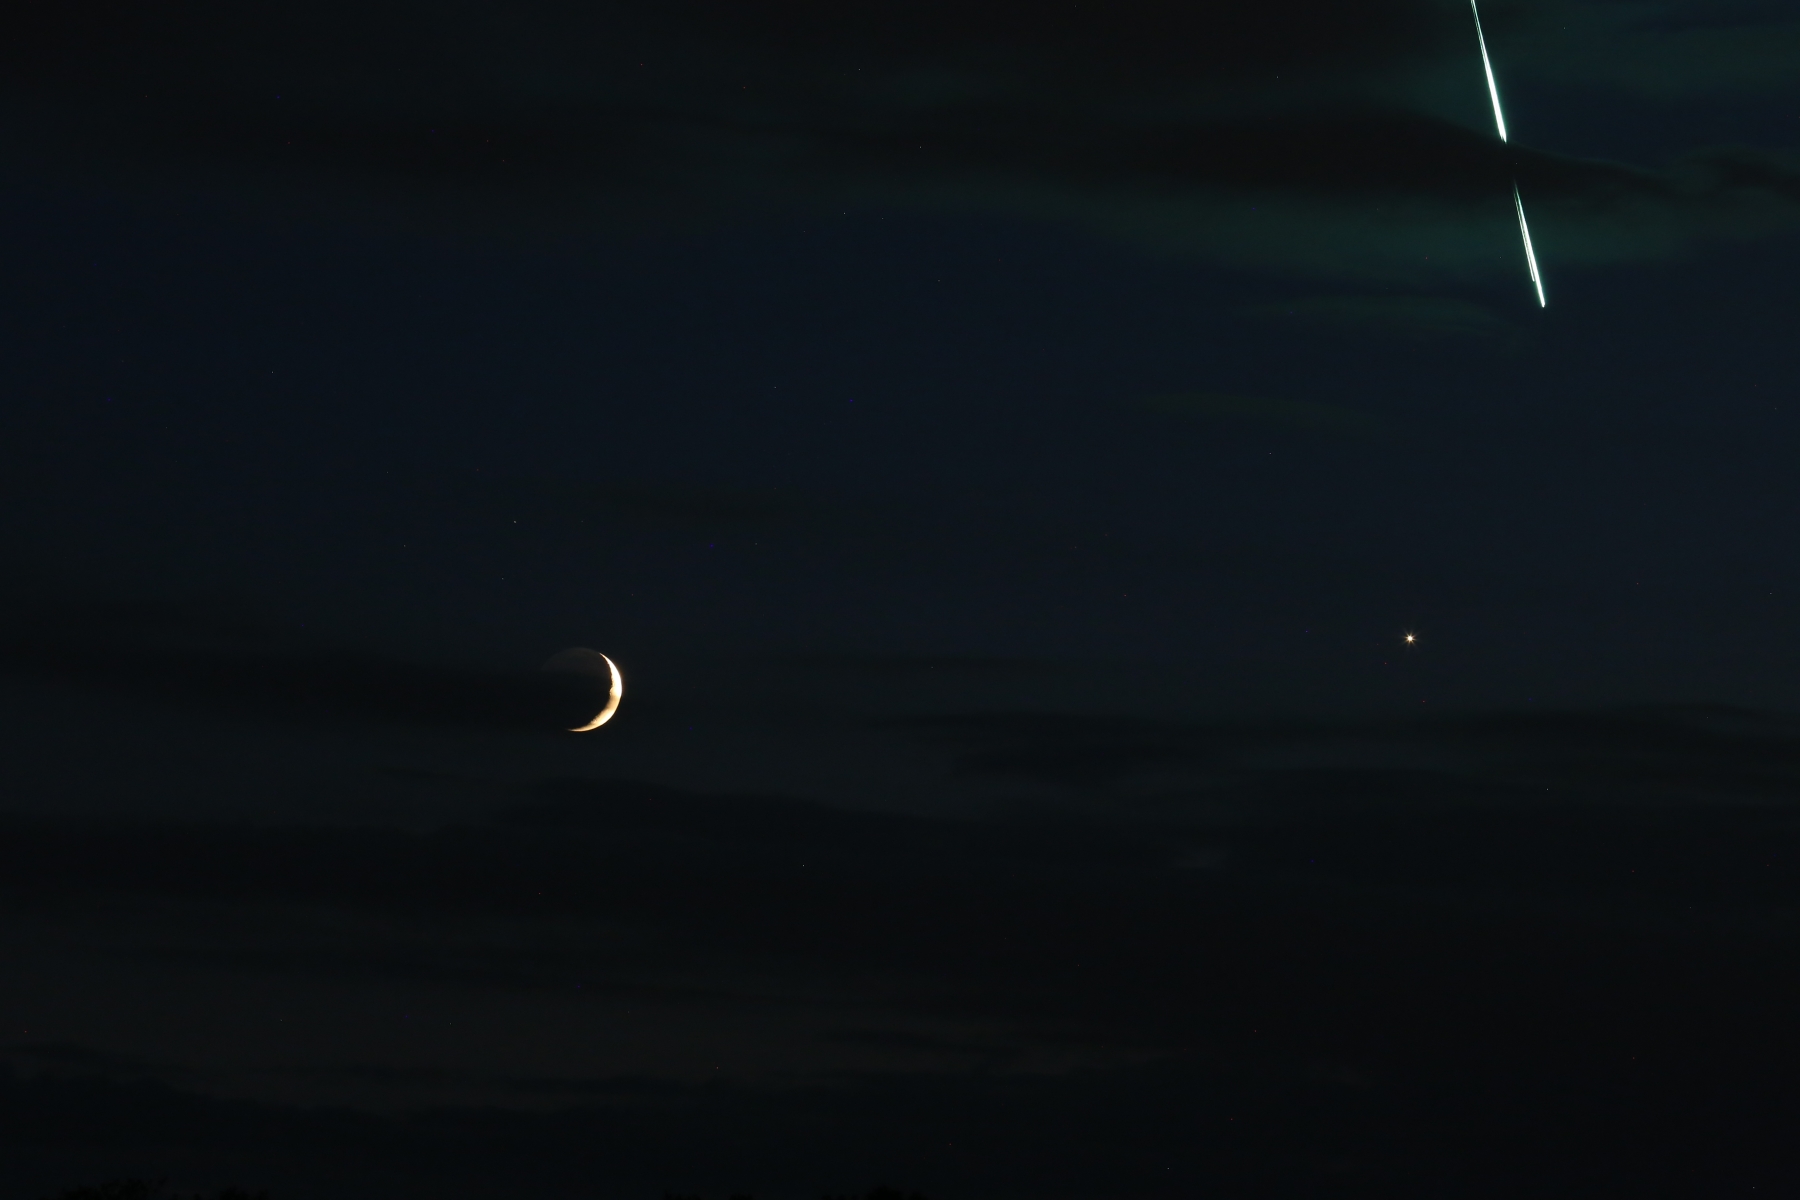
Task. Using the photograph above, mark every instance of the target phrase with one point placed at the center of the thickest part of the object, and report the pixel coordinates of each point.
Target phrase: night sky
(1006, 447)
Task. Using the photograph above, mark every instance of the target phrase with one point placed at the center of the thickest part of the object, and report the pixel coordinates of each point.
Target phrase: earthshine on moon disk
(578, 660)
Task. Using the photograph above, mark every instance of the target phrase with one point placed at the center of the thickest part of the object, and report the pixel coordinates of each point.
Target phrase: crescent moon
(613, 696)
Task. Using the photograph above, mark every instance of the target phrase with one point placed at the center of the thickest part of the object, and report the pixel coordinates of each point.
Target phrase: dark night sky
(1004, 446)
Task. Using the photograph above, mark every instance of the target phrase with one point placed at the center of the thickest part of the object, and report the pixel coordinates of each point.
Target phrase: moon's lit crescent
(613, 696)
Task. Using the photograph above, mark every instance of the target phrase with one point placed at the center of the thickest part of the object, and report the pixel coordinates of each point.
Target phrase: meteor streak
(1500, 124)
(1493, 90)
(1525, 236)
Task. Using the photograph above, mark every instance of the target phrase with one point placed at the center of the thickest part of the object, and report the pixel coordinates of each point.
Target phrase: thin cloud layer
(1665, 51)
(1298, 133)
(164, 655)
(1323, 931)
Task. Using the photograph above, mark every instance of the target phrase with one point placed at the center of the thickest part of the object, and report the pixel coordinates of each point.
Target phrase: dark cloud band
(1164, 122)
